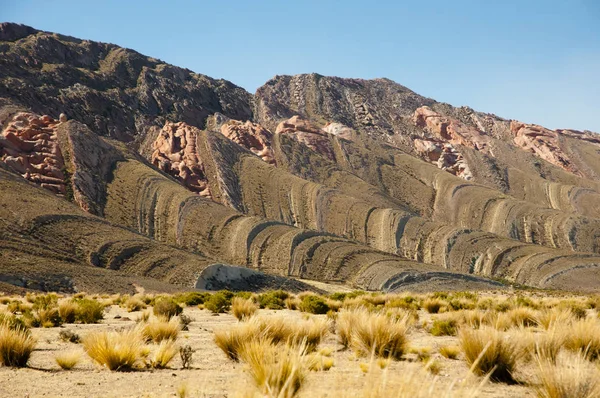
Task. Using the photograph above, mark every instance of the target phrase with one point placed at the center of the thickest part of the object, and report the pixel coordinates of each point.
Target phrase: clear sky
(536, 61)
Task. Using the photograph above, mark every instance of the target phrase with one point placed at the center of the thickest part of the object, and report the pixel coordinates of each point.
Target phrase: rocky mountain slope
(116, 166)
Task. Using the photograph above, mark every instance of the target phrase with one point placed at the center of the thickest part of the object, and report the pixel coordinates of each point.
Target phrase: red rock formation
(29, 145)
(545, 144)
(444, 156)
(175, 153)
(308, 134)
(251, 136)
(450, 130)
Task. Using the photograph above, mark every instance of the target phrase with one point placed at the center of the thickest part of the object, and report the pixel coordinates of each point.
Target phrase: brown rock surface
(29, 145)
(175, 153)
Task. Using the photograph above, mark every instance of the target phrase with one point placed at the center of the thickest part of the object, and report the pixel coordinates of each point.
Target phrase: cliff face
(359, 182)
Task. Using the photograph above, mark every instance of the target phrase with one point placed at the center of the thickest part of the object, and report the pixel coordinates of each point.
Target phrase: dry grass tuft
(68, 360)
(243, 309)
(16, 346)
(115, 350)
(433, 305)
(164, 354)
(450, 351)
(67, 310)
(372, 333)
(573, 377)
(583, 336)
(158, 330)
(488, 350)
(277, 371)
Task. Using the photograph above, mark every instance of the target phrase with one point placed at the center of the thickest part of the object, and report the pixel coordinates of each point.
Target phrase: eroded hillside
(116, 164)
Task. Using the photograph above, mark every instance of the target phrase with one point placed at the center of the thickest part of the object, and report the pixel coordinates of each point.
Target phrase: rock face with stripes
(169, 179)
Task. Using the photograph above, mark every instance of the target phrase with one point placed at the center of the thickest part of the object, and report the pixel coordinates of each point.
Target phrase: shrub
(274, 300)
(314, 305)
(243, 309)
(164, 354)
(67, 360)
(444, 327)
(158, 331)
(69, 336)
(116, 350)
(339, 296)
(573, 378)
(16, 346)
(192, 298)
(186, 353)
(12, 322)
(450, 351)
(489, 351)
(219, 302)
(185, 321)
(166, 308)
(89, 311)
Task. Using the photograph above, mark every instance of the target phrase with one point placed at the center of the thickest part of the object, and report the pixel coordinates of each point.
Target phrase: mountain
(118, 170)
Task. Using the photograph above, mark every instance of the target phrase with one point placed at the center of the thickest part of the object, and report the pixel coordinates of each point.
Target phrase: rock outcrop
(308, 134)
(176, 154)
(251, 136)
(29, 145)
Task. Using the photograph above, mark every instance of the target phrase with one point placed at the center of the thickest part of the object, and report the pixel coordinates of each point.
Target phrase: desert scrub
(159, 330)
(219, 302)
(243, 309)
(571, 377)
(433, 305)
(488, 350)
(67, 360)
(16, 346)
(192, 298)
(89, 311)
(373, 334)
(69, 336)
(117, 351)
(166, 308)
(13, 322)
(273, 300)
(313, 305)
(134, 303)
(444, 327)
(450, 351)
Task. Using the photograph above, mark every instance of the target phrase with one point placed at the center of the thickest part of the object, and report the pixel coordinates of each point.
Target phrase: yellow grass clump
(450, 351)
(571, 377)
(277, 371)
(16, 346)
(164, 354)
(115, 350)
(583, 336)
(159, 330)
(67, 360)
(243, 309)
(373, 333)
(488, 350)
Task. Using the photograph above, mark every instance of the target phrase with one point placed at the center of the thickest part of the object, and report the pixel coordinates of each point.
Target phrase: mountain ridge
(352, 181)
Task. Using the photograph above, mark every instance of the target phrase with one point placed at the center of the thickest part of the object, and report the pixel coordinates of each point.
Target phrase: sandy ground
(212, 374)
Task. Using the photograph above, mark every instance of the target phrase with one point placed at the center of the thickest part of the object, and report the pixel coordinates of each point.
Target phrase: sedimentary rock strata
(29, 145)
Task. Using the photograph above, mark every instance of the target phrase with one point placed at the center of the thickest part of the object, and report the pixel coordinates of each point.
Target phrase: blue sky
(536, 61)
